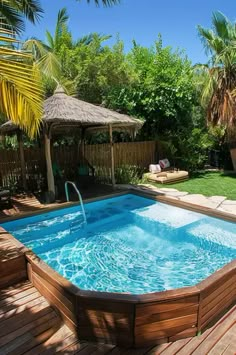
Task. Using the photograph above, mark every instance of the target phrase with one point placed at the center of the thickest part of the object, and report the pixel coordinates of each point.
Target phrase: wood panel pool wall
(136, 320)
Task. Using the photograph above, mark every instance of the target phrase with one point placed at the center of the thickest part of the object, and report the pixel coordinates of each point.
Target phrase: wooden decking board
(19, 332)
(14, 301)
(24, 318)
(58, 342)
(175, 347)
(74, 348)
(230, 350)
(158, 349)
(67, 342)
(98, 349)
(217, 333)
(31, 303)
(223, 344)
(21, 204)
(13, 290)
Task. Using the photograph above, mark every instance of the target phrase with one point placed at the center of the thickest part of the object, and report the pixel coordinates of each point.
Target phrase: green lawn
(208, 184)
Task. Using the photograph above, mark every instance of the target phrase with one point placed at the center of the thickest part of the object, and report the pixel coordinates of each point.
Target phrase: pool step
(28, 236)
(77, 225)
(66, 233)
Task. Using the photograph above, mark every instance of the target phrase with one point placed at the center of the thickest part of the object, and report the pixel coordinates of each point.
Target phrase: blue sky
(141, 20)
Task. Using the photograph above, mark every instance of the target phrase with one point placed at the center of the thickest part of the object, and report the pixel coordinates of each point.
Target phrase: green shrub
(128, 174)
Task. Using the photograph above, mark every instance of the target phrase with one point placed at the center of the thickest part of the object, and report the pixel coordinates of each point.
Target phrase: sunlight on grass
(208, 184)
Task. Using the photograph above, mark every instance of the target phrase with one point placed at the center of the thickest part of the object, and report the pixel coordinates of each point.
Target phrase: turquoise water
(131, 244)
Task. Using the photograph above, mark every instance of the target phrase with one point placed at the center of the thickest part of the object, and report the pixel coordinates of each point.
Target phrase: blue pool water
(131, 244)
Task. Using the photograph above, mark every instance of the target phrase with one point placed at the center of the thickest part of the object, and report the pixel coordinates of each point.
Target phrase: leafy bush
(190, 148)
(128, 174)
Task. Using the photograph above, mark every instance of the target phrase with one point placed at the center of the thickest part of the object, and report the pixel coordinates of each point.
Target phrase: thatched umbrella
(62, 111)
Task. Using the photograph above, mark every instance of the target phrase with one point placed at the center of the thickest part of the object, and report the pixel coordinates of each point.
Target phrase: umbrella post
(112, 157)
(50, 176)
(22, 159)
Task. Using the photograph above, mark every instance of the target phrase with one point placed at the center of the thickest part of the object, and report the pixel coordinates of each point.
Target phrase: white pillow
(164, 163)
(154, 168)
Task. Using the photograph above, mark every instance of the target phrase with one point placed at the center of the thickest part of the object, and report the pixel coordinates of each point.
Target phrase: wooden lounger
(167, 177)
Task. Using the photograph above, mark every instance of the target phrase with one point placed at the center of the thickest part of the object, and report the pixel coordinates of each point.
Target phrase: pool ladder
(80, 200)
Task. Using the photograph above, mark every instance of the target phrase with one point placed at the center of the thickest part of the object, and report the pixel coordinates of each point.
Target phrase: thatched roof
(62, 110)
(8, 127)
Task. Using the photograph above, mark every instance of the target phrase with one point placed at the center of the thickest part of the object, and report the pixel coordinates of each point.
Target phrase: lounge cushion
(164, 163)
(167, 176)
(154, 168)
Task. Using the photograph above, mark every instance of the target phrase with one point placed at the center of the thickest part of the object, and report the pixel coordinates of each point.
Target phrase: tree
(94, 67)
(45, 54)
(220, 83)
(161, 90)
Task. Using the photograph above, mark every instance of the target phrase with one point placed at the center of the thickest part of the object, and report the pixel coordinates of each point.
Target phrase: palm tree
(45, 54)
(220, 85)
(13, 12)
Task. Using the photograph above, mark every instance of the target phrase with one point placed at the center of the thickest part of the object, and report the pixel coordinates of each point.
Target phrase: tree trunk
(22, 160)
(112, 157)
(50, 176)
(233, 157)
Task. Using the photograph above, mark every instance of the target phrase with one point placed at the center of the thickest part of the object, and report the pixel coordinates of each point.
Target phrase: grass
(208, 184)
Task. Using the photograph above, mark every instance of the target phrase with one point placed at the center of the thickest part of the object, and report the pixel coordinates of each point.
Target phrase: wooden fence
(139, 154)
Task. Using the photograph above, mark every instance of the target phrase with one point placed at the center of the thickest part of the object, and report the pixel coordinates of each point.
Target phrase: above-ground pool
(122, 277)
(130, 244)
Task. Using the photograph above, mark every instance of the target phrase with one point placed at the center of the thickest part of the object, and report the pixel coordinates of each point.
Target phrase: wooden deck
(29, 325)
(23, 204)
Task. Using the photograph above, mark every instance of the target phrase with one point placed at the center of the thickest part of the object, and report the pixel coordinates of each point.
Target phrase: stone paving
(219, 203)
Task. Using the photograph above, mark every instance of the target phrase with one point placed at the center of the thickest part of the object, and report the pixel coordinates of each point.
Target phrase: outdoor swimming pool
(131, 244)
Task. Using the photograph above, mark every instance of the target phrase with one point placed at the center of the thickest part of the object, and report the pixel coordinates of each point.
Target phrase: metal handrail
(79, 195)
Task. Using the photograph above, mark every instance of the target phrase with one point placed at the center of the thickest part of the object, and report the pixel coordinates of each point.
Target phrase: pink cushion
(164, 163)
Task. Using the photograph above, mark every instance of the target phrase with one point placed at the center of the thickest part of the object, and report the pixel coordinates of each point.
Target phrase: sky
(141, 20)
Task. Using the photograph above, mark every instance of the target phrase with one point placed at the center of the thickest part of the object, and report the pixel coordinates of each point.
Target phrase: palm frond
(12, 13)
(89, 38)
(11, 17)
(62, 19)
(50, 40)
(36, 47)
(219, 87)
(31, 9)
(20, 88)
(221, 25)
(104, 2)
(50, 65)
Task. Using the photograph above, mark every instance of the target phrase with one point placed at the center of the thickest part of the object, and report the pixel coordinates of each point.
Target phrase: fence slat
(139, 154)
